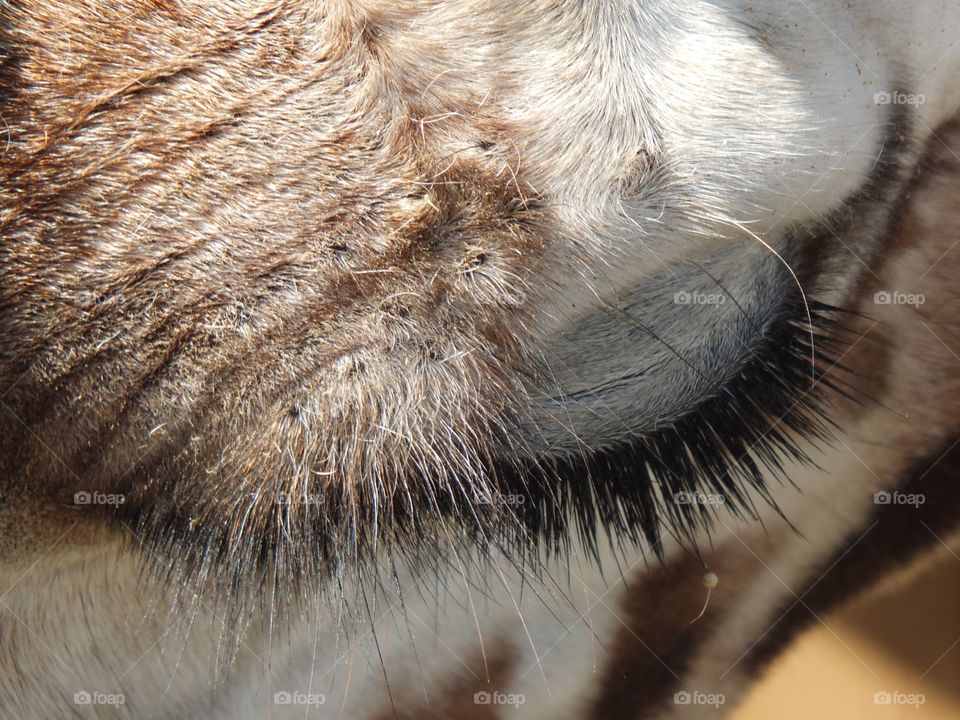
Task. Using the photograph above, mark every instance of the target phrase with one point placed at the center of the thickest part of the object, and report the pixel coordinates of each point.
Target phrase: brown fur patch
(458, 695)
(900, 535)
(261, 256)
(653, 649)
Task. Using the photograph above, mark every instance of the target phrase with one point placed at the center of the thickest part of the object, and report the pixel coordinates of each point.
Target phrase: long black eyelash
(726, 448)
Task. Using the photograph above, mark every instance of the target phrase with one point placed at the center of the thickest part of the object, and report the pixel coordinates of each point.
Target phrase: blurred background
(893, 654)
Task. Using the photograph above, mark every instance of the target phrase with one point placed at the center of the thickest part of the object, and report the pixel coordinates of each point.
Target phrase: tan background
(906, 639)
